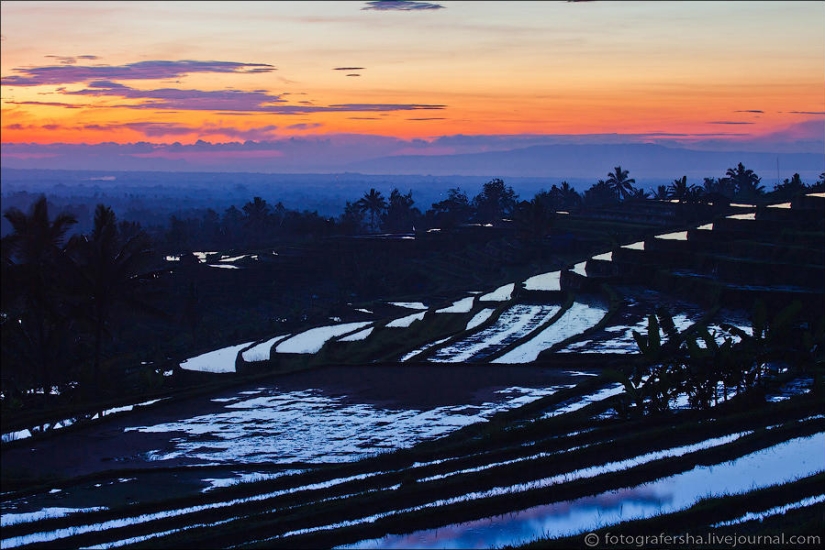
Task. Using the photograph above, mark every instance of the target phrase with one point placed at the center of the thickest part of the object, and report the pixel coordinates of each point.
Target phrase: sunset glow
(167, 72)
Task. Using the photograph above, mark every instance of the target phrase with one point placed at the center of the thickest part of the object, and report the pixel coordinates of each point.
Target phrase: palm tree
(638, 195)
(495, 201)
(535, 218)
(599, 194)
(716, 191)
(620, 183)
(257, 219)
(820, 183)
(681, 191)
(351, 219)
(745, 182)
(374, 204)
(400, 215)
(662, 193)
(38, 268)
(565, 197)
(110, 262)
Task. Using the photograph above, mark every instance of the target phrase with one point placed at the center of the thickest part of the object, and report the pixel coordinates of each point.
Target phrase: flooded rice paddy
(774, 465)
(578, 318)
(267, 425)
(545, 281)
(513, 324)
(312, 340)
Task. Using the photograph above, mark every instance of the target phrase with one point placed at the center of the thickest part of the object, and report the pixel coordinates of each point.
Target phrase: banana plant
(707, 367)
(651, 344)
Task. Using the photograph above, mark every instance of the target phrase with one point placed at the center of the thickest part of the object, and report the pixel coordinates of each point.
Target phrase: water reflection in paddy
(267, 425)
(516, 322)
(578, 318)
(781, 463)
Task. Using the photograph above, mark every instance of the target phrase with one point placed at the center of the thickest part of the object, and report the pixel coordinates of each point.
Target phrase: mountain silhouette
(592, 161)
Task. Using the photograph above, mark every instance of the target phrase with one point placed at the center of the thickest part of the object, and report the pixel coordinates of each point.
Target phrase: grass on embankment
(700, 519)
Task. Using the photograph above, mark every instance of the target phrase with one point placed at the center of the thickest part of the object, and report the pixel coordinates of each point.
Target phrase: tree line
(259, 223)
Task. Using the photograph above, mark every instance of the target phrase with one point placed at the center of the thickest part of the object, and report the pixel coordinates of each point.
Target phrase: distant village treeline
(208, 210)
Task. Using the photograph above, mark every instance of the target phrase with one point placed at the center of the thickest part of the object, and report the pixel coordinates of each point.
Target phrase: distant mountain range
(579, 164)
(647, 161)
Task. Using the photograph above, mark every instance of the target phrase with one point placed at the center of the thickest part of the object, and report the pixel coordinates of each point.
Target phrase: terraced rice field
(498, 425)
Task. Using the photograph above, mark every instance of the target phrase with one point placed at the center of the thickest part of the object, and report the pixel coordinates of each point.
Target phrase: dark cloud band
(401, 5)
(142, 70)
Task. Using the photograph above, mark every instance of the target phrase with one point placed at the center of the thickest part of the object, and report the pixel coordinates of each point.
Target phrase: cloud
(808, 130)
(354, 74)
(64, 60)
(428, 118)
(48, 104)
(70, 59)
(382, 107)
(142, 70)
(806, 112)
(224, 100)
(107, 85)
(734, 122)
(750, 111)
(157, 129)
(304, 126)
(401, 5)
(348, 69)
(161, 129)
(153, 129)
(186, 100)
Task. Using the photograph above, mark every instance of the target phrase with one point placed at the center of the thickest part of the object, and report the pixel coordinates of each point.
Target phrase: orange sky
(259, 71)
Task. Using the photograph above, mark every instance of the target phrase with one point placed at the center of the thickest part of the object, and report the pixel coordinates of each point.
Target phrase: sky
(311, 84)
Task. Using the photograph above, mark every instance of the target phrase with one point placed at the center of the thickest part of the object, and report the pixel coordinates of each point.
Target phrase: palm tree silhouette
(620, 183)
(745, 181)
(662, 193)
(681, 191)
(374, 204)
(109, 261)
(495, 201)
(257, 218)
(400, 213)
(38, 267)
(567, 197)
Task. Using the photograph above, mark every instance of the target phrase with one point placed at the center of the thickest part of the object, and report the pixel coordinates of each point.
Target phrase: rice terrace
(249, 306)
(631, 386)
